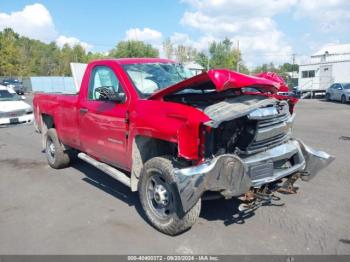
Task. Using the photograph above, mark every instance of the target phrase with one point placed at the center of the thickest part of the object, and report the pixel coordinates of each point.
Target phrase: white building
(329, 65)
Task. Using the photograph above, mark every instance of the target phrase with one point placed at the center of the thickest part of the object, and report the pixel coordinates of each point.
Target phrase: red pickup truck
(174, 138)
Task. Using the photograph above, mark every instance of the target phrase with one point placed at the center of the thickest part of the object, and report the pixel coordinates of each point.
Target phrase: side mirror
(339, 88)
(107, 93)
(118, 97)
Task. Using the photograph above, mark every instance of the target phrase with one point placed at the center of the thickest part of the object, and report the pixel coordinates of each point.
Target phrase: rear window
(347, 86)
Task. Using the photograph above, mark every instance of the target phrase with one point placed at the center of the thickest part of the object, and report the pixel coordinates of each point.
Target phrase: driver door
(338, 91)
(103, 129)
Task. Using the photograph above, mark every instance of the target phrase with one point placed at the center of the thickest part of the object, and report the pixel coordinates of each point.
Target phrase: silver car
(339, 92)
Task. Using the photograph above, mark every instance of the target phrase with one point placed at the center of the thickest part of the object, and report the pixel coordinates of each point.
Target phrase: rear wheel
(343, 99)
(55, 152)
(158, 199)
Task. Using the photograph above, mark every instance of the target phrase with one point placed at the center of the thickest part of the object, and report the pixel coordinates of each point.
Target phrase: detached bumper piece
(315, 160)
(233, 176)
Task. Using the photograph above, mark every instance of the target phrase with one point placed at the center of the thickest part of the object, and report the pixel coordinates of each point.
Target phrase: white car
(339, 92)
(13, 110)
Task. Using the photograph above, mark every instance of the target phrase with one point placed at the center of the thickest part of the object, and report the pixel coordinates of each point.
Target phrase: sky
(267, 30)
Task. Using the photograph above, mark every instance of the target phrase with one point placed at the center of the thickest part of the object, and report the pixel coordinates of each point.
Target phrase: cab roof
(124, 61)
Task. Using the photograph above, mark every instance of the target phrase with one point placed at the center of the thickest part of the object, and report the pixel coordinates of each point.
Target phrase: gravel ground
(80, 210)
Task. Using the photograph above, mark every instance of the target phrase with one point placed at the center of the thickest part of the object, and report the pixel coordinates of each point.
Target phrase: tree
(185, 53)
(94, 56)
(9, 52)
(168, 48)
(202, 59)
(22, 56)
(223, 55)
(133, 48)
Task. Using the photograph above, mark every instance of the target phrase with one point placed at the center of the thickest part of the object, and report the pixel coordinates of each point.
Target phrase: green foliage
(223, 55)
(202, 59)
(133, 48)
(281, 70)
(22, 56)
(9, 52)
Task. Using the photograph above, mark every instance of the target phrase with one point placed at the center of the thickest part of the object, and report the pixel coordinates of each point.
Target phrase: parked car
(15, 84)
(13, 110)
(172, 139)
(339, 92)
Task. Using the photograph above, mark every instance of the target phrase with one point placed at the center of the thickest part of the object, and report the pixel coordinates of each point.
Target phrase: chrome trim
(263, 113)
(316, 160)
(284, 151)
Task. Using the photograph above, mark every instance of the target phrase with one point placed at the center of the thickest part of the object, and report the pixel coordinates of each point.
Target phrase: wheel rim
(50, 150)
(159, 196)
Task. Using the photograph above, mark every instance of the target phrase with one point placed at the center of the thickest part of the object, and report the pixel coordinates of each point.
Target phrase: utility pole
(293, 63)
(239, 57)
(208, 56)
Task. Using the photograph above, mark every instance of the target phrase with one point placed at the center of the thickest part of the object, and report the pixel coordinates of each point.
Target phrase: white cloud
(329, 15)
(181, 39)
(242, 7)
(248, 21)
(72, 41)
(146, 34)
(252, 23)
(35, 21)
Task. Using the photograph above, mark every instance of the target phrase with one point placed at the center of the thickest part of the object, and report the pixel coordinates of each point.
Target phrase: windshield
(7, 96)
(151, 77)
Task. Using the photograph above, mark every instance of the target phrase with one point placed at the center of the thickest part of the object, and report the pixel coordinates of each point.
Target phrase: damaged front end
(259, 152)
(233, 176)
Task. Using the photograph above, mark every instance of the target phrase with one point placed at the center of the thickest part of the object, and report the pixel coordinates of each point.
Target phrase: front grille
(271, 129)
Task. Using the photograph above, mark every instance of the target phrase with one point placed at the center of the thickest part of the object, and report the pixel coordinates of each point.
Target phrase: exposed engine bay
(240, 124)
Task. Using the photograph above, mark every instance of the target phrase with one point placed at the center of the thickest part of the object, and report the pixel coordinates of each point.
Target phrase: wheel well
(145, 148)
(47, 123)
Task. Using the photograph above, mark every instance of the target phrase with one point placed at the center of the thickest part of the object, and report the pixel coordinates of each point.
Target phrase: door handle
(83, 110)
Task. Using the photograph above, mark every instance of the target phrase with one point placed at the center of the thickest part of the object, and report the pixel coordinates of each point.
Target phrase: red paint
(283, 87)
(107, 129)
(222, 79)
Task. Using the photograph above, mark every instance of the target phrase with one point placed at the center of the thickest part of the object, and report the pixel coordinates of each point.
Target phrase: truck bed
(63, 108)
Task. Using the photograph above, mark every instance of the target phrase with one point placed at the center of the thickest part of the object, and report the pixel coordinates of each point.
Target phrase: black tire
(162, 169)
(328, 97)
(343, 99)
(56, 156)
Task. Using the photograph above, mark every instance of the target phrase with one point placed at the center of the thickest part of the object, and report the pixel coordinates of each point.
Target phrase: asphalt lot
(80, 210)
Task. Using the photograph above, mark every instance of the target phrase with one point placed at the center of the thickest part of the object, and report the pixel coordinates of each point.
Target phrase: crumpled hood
(222, 79)
(8, 106)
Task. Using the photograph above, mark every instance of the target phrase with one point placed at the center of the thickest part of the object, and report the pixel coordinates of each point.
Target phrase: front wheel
(158, 199)
(343, 99)
(328, 97)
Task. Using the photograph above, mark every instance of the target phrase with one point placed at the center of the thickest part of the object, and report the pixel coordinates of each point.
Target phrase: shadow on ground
(212, 210)
(102, 181)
